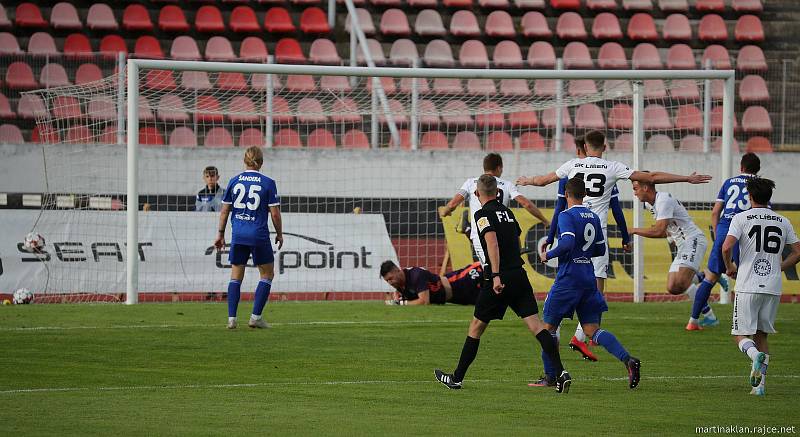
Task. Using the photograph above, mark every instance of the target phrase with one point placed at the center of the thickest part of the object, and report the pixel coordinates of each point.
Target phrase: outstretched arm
(531, 208)
(451, 205)
(538, 181)
(660, 177)
(423, 298)
(658, 230)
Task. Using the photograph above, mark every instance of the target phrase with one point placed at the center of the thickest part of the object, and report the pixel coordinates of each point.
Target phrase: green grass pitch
(361, 368)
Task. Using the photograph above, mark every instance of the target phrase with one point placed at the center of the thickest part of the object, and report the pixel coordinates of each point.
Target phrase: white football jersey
(762, 235)
(600, 176)
(680, 226)
(505, 192)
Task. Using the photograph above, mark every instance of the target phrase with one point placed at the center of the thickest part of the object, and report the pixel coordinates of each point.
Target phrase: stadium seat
(209, 20)
(531, 141)
(677, 28)
(716, 120)
(28, 15)
(712, 29)
(606, 26)
(623, 143)
(387, 83)
(101, 108)
(218, 48)
(387, 3)
(109, 135)
(45, 134)
(345, 110)
(111, 45)
(457, 3)
(756, 120)
(565, 4)
(101, 17)
(335, 83)
(617, 88)
(464, 24)
(79, 134)
(66, 107)
(581, 87)
(422, 4)
(427, 115)
(323, 51)
(218, 137)
(10, 134)
(9, 44)
(19, 76)
(620, 117)
(567, 142)
(243, 20)
(295, 2)
(500, 25)
(680, 57)
(5, 23)
(231, 81)
(641, 27)
(53, 75)
(456, 113)
(689, 117)
(655, 89)
(541, 55)
(399, 113)
(507, 55)
(242, 110)
(534, 25)
(656, 117)
(473, 54)
(498, 141)
(576, 56)
(612, 56)
(570, 27)
(684, 90)
(529, 4)
(705, 6)
(136, 18)
(172, 19)
(637, 5)
(300, 83)
(313, 21)
(77, 45)
(433, 140)
(287, 138)
(147, 46)
(395, 23)
(159, 80)
(751, 59)
(429, 23)
(42, 44)
(447, 86)
(171, 109)
(364, 19)
(646, 57)
(207, 109)
(5, 108)
(195, 80)
(375, 51)
(670, 6)
(718, 56)
(589, 116)
(288, 51)
(548, 119)
(309, 110)
(747, 6)
(438, 54)
(31, 106)
(691, 143)
(341, 2)
(252, 137)
(184, 48)
(181, 137)
(403, 53)
(65, 16)
(758, 144)
(253, 49)
(523, 116)
(277, 20)
(481, 87)
(320, 138)
(281, 113)
(466, 140)
(660, 143)
(601, 5)
(355, 139)
(545, 87)
(753, 88)
(493, 4)
(749, 29)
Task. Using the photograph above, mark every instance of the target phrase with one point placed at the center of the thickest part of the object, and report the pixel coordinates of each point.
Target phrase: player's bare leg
(234, 290)
(267, 273)
(680, 282)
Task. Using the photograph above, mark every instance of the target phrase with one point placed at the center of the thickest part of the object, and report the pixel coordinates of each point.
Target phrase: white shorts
(690, 254)
(476, 244)
(754, 312)
(601, 265)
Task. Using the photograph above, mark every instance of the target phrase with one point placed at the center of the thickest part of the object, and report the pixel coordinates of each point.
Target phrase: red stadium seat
(321, 138)
(660, 143)
(433, 140)
(466, 140)
(403, 53)
(208, 110)
(712, 29)
(184, 48)
(438, 54)
(541, 55)
(680, 57)
(109, 135)
(53, 75)
(299, 2)
(231, 81)
(242, 110)
(313, 21)
(253, 49)
(617, 88)
(148, 47)
(277, 20)
(218, 137)
(716, 120)
(31, 106)
(300, 83)
(691, 143)
(101, 108)
(641, 27)
(42, 44)
(545, 87)
(288, 51)
(481, 87)
(589, 116)
(399, 113)
(395, 23)
(710, 6)
(427, 114)
(500, 25)
(655, 89)
(570, 27)
(531, 141)
(612, 56)
(182, 137)
(677, 28)
(113, 44)
(387, 3)
(751, 58)
(364, 19)
(171, 109)
(159, 80)
(523, 117)
(281, 113)
(387, 83)
(473, 54)
(10, 134)
(753, 88)
(684, 90)
(637, 5)
(136, 18)
(464, 24)
(101, 17)
(375, 50)
(251, 137)
(606, 26)
(581, 87)
(323, 51)
(309, 110)
(493, 4)
(77, 46)
(447, 86)
(9, 44)
(456, 113)
(548, 119)
(688, 117)
(65, 16)
(243, 20)
(345, 110)
(195, 80)
(29, 15)
(620, 117)
(718, 56)
(335, 83)
(758, 144)
(749, 29)
(756, 120)
(534, 25)
(669, 6)
(507, 55)
(457, 3)
(209, 20)
(171, 19)
(623, 143)
(420, 4)
(601, 5)
(567, 142)
(5, 108)
(287, 138)
(748, 6)
(45, 134)
(66, 107)
(646, 57)
(576, 56)
(656, 117)
(145, 110)
(498, 141)
(218, 48)
(355, 139)
(565, 4)
(19, 76)
(429, 23)
(5, 23)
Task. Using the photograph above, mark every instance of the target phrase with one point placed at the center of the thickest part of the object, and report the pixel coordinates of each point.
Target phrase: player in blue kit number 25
(253, 198)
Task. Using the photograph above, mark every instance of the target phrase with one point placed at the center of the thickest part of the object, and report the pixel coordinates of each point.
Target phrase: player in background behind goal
(253, 198)
(761, 235)
(601, 177)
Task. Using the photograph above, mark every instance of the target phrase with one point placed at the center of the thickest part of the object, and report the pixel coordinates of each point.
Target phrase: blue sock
(262, 294)
(706, 309)
(701, 298)
(234, 291)
(611, 344)
(549, 369)
(700, 276)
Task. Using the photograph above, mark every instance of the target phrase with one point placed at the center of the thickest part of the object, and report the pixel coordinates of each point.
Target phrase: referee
(505, 285)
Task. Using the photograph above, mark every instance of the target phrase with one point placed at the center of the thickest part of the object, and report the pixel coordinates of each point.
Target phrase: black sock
(468, 353)
(550, 347)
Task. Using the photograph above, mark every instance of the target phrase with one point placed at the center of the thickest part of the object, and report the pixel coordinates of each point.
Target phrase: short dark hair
(580, 143)
(487, 184)
(576, 188)
(760, 190)
(595, 139)
(387, 266)
(492, 161)
(751, 163)
(211, 171)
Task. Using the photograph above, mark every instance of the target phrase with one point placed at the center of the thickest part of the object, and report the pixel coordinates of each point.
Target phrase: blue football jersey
(250, 195)
(575, 269)
(734, 196)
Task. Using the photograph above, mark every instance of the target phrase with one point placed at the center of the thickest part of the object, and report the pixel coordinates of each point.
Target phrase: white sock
(749, 348)
(231, 319)
(764, 371)
(691, 291)
(255, 317)
(693, 321)
(579, 333)
(710, 314)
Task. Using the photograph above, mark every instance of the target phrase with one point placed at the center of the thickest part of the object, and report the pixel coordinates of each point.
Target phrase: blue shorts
(562, 304)
(716, 264)
(240, 253)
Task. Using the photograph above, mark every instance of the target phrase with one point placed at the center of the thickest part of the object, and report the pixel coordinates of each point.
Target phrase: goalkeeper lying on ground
(417, 286)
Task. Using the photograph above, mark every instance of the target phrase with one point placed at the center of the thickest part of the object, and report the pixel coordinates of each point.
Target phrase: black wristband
(222, 231)
(495, 275)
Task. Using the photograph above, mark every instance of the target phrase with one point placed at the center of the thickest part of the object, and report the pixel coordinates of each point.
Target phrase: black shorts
(517, 294)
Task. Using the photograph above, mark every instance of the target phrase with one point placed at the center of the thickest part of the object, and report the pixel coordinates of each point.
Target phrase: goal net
(363, 158)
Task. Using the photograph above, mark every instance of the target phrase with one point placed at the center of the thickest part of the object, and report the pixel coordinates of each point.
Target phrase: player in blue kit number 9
(253, 198)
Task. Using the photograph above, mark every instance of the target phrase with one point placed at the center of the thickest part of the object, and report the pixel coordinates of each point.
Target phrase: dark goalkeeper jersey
(419, 280)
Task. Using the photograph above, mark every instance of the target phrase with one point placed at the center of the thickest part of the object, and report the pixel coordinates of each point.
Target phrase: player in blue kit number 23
(253, 198)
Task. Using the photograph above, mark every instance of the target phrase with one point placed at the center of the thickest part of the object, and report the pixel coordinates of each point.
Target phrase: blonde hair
(253, 157)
